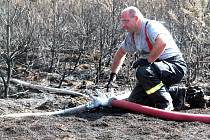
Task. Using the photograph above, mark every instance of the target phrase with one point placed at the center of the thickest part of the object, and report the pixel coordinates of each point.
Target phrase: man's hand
(141, 62)
(112, 78)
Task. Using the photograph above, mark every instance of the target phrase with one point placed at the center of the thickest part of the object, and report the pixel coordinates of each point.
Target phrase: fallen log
(49, 89)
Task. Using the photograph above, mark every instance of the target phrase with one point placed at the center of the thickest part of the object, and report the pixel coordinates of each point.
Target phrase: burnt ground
(102, 123)
(98, 124)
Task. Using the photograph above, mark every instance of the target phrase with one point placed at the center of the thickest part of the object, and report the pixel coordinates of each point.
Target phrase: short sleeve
(155, 28)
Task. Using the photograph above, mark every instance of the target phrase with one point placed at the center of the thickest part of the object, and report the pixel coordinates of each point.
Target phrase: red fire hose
(168, 115)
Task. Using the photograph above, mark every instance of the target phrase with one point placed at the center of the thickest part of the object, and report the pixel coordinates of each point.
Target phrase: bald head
(132, 12)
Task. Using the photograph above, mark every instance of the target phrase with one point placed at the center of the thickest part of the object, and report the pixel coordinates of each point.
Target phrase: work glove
(112, 78)
(141, 62)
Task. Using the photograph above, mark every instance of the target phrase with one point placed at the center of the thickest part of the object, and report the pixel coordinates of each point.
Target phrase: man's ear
(136, 18)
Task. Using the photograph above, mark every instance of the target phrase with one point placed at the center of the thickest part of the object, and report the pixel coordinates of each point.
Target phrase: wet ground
(99, 124)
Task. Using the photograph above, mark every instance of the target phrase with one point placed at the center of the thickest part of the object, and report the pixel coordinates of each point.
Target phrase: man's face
(127, 22)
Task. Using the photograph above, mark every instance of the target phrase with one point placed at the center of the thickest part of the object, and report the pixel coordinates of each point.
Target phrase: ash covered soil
(102, 123)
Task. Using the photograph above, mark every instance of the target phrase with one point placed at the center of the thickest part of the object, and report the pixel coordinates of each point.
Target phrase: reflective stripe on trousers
(155, 88)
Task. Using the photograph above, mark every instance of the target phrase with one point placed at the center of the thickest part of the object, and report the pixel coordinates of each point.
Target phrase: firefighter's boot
(178, 95)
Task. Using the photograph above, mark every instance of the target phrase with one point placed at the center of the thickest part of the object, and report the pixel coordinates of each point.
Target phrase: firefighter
(161, 65)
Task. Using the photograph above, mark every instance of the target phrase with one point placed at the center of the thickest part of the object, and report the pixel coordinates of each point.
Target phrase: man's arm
(158, 48)
(118, 60)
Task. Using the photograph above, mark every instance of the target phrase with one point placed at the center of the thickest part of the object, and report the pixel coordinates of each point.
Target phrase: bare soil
(102, 123)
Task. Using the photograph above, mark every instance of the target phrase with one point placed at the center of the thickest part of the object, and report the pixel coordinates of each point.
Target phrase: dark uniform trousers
(154, 80)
